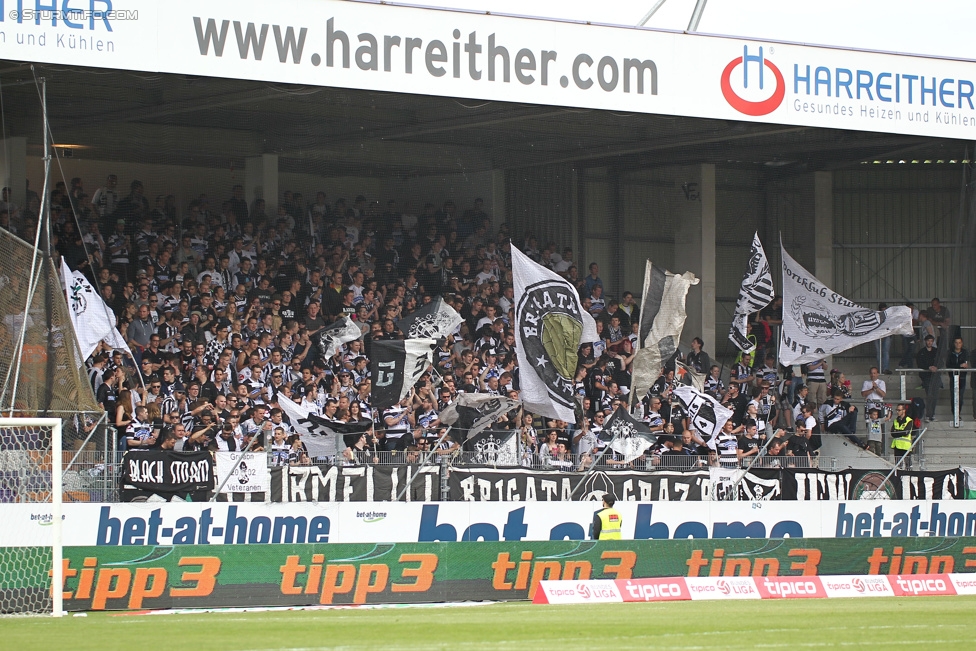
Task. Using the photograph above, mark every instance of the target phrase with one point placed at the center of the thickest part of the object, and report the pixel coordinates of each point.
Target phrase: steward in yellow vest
(607, 521)
(901, 431)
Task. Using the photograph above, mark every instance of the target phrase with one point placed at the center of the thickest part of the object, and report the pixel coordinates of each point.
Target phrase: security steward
(902, 428)
(607, 521)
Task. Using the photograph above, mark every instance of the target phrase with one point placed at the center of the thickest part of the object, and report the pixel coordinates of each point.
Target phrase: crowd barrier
(247, 479)
(195, 576)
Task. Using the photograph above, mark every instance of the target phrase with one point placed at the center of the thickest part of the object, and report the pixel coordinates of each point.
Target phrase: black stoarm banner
(166, 473)
(354, 483)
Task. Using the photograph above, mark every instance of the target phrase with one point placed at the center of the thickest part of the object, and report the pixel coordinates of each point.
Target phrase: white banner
(251, 476)
(818, 321)
(224, 523)
(476, 55)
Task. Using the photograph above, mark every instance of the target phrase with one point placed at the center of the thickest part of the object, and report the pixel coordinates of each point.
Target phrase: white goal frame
(57, 552)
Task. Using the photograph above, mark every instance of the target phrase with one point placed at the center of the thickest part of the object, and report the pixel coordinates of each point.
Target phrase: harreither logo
(759, 88)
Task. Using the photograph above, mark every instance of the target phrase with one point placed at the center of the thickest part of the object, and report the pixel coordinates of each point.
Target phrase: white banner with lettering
(250, 476)
(485, 56)
(818, 321)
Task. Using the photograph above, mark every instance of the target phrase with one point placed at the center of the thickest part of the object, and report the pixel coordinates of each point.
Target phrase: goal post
(18, 441)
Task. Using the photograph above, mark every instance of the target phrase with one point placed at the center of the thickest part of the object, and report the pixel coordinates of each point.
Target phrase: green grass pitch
(934, 622)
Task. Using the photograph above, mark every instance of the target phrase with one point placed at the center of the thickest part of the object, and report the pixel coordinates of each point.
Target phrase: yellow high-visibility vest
(901, 434)
(610, 521)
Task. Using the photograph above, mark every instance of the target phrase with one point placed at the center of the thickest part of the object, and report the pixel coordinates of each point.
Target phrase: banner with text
(260, 523)
(499, 58)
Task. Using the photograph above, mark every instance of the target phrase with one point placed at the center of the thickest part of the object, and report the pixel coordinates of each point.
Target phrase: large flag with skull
(818, 321)
(550, 326)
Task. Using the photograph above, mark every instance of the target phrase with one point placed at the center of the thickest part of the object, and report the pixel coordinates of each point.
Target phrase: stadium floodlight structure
(31, 580)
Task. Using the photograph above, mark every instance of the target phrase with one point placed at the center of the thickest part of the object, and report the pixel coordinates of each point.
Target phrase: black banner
(820, 485)
(354, 483)
(483, 485)
(166, 473)
(948, 485)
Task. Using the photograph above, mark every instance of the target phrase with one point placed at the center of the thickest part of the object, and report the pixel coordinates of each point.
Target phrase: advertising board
(480, 55)
(247, 523)
(164, 576)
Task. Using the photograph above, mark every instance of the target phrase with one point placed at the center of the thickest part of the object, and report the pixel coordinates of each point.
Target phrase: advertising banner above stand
(447, 53)
(216, 524)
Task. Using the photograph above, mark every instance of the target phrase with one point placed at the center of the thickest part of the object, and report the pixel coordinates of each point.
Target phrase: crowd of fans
(221, 305)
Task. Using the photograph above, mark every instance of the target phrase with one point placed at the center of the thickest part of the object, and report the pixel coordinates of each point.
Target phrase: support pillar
(695, 252)
(498, 200)
(823, 231)
(823, 227)
(261, 181)
(13, 170)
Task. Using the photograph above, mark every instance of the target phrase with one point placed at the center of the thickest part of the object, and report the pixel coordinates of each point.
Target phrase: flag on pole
(395, 367)
(627, 436)
(474, 412)
(320, 435)
(331, 337)
(707, 414)
(818, 321)
(436, 320)
(755, 293)
(550, 325)
(662, 318)
(91, 318)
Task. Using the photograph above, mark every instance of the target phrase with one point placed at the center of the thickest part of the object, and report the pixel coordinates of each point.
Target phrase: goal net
(31, 492)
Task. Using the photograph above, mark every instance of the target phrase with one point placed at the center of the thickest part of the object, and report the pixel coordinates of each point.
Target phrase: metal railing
(954, 389)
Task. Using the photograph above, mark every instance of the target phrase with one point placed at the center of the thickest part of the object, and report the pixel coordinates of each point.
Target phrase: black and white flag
(755, 294)
(494, 448)
(331, 337)
(474, 412)
(92, 320)
(436, 320)
(818, 321)
(396, 366)
(627, 436)
(550, 326)
(707, 414)
(662, 318)
(320, 439)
